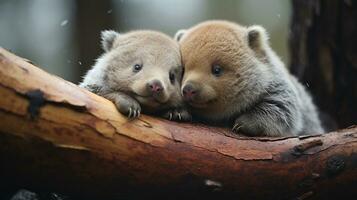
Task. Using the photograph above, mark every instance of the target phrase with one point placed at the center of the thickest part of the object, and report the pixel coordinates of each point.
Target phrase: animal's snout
(189, 91)
(155, 87)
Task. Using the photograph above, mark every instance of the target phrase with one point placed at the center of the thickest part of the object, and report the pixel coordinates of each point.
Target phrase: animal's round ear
(108, 37)
(257, 37)
(179, 34)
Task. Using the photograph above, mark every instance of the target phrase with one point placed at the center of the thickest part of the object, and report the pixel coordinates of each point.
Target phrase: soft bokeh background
(63, 37)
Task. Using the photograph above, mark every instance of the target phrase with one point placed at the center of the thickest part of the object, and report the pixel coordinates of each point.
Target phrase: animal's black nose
(154, 86)
(189, 91)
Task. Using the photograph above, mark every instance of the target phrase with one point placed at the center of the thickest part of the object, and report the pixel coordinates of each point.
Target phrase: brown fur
(204, 46)
(253, 92)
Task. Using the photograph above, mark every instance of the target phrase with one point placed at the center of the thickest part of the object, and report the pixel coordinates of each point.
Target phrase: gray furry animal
(139, 71)
(232, 75)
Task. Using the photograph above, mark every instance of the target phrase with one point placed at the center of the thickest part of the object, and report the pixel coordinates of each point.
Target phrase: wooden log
(55, 136)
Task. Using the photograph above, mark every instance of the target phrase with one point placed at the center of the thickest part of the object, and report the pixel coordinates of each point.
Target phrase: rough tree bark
(324, 55)
(58, 137)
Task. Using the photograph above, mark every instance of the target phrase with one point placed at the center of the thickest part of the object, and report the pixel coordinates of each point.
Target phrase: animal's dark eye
(137, 67)
(217, 70)
(172, 77)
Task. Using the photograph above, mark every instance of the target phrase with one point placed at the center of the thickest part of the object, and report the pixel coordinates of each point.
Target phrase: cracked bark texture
(55, 136)
(324, 56)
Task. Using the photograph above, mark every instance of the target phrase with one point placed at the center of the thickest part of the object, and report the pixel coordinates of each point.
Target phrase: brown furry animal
(139, 70)
(233, 76)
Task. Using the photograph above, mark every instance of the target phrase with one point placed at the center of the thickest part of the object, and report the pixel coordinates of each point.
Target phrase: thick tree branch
(56, 136)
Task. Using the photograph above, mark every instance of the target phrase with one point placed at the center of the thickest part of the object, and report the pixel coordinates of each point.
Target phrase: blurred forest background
(63, 37)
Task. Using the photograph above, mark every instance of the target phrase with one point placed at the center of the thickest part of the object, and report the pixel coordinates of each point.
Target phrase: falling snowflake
(64, 22)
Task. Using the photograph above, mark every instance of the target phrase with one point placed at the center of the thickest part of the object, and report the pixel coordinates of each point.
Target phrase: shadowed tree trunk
(323, 45)
(91, 18)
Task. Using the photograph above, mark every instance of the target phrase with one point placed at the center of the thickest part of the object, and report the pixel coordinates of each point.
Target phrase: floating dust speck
(64, 22)
(213, 183)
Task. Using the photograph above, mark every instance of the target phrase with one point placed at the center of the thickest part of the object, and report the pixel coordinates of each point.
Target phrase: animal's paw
(248, 125)
(242, 125)
(92, 88)
(237, 127)
(177, 114)
(130, 108)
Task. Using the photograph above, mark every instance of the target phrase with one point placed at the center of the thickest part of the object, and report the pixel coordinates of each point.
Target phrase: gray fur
(282, 106)
(113, 75)
(179, 34)
(108, 38)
